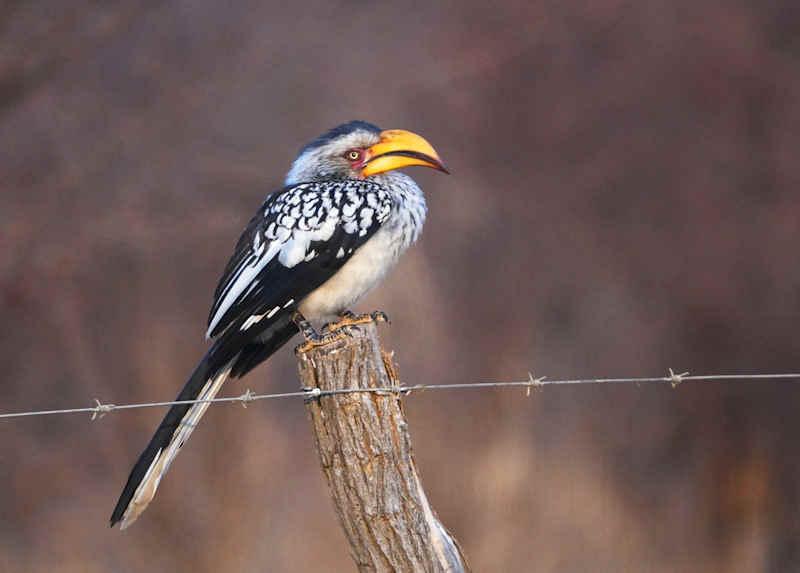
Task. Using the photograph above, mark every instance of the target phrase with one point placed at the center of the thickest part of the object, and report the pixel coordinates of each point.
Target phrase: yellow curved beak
(399, 148)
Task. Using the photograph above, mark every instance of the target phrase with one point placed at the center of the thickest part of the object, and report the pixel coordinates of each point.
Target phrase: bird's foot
(313, 339)
(332, 331)
(349, 318)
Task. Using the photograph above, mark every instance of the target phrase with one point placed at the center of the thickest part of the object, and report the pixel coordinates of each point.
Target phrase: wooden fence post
(365, 451)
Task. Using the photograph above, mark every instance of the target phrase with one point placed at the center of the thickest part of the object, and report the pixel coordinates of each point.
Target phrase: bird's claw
(349, 318)
(348, 314)
(313, 339)
(334, 330)
(375, 316)
(380, 316)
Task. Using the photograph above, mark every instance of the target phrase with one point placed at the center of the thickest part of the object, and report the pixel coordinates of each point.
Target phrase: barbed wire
(100, 409)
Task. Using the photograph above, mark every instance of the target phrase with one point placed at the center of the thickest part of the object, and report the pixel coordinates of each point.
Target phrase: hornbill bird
(310, 252)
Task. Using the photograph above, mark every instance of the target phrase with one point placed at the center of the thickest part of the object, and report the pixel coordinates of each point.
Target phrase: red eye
(353, 155)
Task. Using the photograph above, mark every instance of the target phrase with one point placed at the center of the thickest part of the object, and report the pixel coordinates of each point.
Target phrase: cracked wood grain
(365, 451)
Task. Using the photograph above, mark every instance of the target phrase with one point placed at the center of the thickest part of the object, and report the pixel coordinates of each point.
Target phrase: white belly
(368, 265)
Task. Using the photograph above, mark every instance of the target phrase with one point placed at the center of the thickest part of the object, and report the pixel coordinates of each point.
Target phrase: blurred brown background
(624, 199)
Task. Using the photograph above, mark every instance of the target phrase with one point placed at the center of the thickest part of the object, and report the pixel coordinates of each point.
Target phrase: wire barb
(248, 396)
(534, 383)
(675, 379)
(101, 409)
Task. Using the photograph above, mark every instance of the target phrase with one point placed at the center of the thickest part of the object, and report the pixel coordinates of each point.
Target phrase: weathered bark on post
(365, 451)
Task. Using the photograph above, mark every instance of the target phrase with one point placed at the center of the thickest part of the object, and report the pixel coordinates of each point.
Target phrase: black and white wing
(298, 239)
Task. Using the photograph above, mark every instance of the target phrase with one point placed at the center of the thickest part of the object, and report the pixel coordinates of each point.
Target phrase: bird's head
(358, 149)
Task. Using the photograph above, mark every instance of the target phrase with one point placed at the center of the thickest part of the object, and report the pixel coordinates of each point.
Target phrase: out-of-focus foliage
(624, 198)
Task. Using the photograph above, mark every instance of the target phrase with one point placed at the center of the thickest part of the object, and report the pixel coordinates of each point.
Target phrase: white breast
(364, 270)
(370, 263)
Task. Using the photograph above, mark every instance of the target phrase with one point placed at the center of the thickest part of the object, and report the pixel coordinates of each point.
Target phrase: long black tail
(227, 358)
